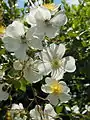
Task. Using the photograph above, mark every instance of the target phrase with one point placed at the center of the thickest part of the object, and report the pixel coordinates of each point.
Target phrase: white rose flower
(40, 17)
(45, 24)
(31, 71)
(16, 41)
(17, 106)
(3, 94)
(38, 114)
(16, 111)
(53, 61)
(57, 91)
(75, 109)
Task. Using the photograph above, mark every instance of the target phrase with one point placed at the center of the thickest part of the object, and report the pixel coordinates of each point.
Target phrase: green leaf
(23, 83)
(88, 12)
(16, 84)
(59, 109)
(2, 51)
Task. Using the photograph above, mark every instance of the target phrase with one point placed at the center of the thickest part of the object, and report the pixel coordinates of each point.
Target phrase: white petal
(57, 74)
(59, 20)
(84, 111)
(69, 64)
(3, 95)
(36, 43)
(60, 50)
(48, 80)
(66, 89)
(63, 83)
(15, 106)
(42, 14)
(11, 44)
(75, 109)
(17, 65)
(15, 29)
(52, 49)
(30, 18)
(31, 75)
(30, 32)
(46, 30)
(44, 68)
(21, 106)
(64, 97)
(88, 108)
(67, 108)
(53, 99)
(55, 50)
(35, 114)
(49, 110)
(21, 52)
(45, 56)
(32, 40)
(46, 89)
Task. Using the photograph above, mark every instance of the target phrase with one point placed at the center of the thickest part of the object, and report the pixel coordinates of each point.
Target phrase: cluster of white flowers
(50, 61)
(18, 112)
(47, 114)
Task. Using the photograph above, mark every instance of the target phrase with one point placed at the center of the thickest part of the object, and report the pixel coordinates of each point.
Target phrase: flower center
(47, 23)
(49, 6)
(56, 87)
(56, 63)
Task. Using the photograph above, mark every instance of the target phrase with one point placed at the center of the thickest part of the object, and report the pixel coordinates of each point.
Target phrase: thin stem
(36, 102)
(41, 98)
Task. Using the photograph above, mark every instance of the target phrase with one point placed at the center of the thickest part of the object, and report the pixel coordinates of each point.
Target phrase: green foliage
(76, 35)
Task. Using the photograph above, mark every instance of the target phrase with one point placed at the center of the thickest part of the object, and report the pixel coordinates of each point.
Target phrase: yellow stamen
(49, 6)
(2, 29)
(56, 87)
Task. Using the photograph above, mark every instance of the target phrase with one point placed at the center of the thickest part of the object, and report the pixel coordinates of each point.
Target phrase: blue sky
(70, 2)
(21, 2)
(57, 1)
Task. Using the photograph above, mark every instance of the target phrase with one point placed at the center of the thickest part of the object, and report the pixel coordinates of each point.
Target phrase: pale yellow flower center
(2, 29)
(49, 6)
(56, 87)
(56, 63)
